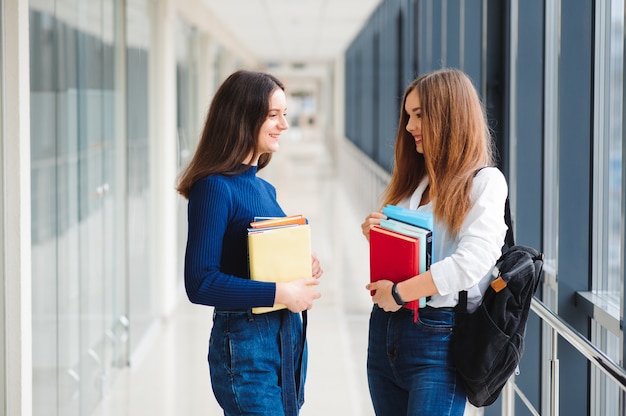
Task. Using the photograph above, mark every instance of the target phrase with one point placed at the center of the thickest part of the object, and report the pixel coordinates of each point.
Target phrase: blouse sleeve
(480, 239)
(209, 211)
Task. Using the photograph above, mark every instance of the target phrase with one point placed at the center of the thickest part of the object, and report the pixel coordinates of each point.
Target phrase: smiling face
(274, 124)
(413, 109)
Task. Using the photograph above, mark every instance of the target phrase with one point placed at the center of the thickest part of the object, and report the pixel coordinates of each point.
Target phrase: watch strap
(396, 295)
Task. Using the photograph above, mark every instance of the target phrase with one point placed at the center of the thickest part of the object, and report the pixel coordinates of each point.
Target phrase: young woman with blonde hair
(441, 147)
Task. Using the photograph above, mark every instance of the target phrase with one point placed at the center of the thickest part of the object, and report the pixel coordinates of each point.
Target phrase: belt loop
(250, 315)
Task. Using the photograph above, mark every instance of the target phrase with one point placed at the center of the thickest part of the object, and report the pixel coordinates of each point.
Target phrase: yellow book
(279, 255)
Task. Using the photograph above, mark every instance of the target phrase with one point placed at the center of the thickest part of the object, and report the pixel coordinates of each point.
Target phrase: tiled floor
(169, 376)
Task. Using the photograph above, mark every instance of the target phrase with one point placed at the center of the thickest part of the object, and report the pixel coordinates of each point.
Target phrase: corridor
(168, 376)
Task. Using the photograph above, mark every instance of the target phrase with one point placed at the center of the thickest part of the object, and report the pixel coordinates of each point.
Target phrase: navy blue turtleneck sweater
(220, 210)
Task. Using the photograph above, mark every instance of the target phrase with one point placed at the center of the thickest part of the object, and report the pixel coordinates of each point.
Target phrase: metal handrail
(582, 344)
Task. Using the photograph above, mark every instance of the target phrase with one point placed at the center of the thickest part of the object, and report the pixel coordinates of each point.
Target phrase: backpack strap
(509, 241)
(509, 238)
(462, 305)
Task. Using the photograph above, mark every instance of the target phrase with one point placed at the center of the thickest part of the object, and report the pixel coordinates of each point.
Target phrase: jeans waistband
(233, 311)
(432, 308)
(443, 308)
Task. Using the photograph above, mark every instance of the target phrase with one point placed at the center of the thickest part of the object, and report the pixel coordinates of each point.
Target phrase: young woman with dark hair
(257, 361)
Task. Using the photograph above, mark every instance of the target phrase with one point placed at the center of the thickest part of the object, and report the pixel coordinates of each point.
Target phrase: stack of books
(401, 247)
(279, 250)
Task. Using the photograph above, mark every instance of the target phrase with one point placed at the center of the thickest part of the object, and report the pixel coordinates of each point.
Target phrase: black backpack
(487, 345)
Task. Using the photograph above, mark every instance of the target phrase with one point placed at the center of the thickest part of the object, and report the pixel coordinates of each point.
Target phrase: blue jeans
(254, 362)
(408, 365)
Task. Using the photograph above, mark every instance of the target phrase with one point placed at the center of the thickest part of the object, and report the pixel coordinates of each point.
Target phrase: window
(607, 235)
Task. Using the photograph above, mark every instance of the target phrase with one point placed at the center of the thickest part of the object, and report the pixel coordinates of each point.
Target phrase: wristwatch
(396, 295)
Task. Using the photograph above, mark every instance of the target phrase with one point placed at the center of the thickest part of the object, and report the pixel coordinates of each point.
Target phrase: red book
(393, 256)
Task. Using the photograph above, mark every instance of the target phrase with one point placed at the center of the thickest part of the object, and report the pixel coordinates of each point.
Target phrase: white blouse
(465, 261)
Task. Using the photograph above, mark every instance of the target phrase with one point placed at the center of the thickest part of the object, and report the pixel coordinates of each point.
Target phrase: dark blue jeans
(408, 365)
(254, 361)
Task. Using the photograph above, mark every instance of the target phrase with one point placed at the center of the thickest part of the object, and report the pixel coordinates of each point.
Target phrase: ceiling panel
(287, 31)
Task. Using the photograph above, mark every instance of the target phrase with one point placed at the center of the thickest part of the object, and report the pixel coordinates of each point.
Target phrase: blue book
(410, 216)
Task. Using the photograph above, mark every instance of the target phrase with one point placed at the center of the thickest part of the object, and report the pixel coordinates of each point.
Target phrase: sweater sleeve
(209, 212)
(480, 239)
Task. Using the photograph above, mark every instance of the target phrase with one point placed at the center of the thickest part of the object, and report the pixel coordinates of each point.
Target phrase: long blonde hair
(456, 142)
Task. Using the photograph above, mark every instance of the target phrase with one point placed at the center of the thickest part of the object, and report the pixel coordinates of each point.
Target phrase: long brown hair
(232, 126)
(456, 142)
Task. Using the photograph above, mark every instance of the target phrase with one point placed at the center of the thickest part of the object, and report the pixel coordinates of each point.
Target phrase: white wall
(16, 206)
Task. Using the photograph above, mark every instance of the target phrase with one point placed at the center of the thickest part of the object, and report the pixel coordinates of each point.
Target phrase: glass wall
(142, 287)
(380, 63)
(2, 238)
(187, 123)
(78, 203)
(551, 74)
(186, 92)
(404, 39)
(526, 171)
